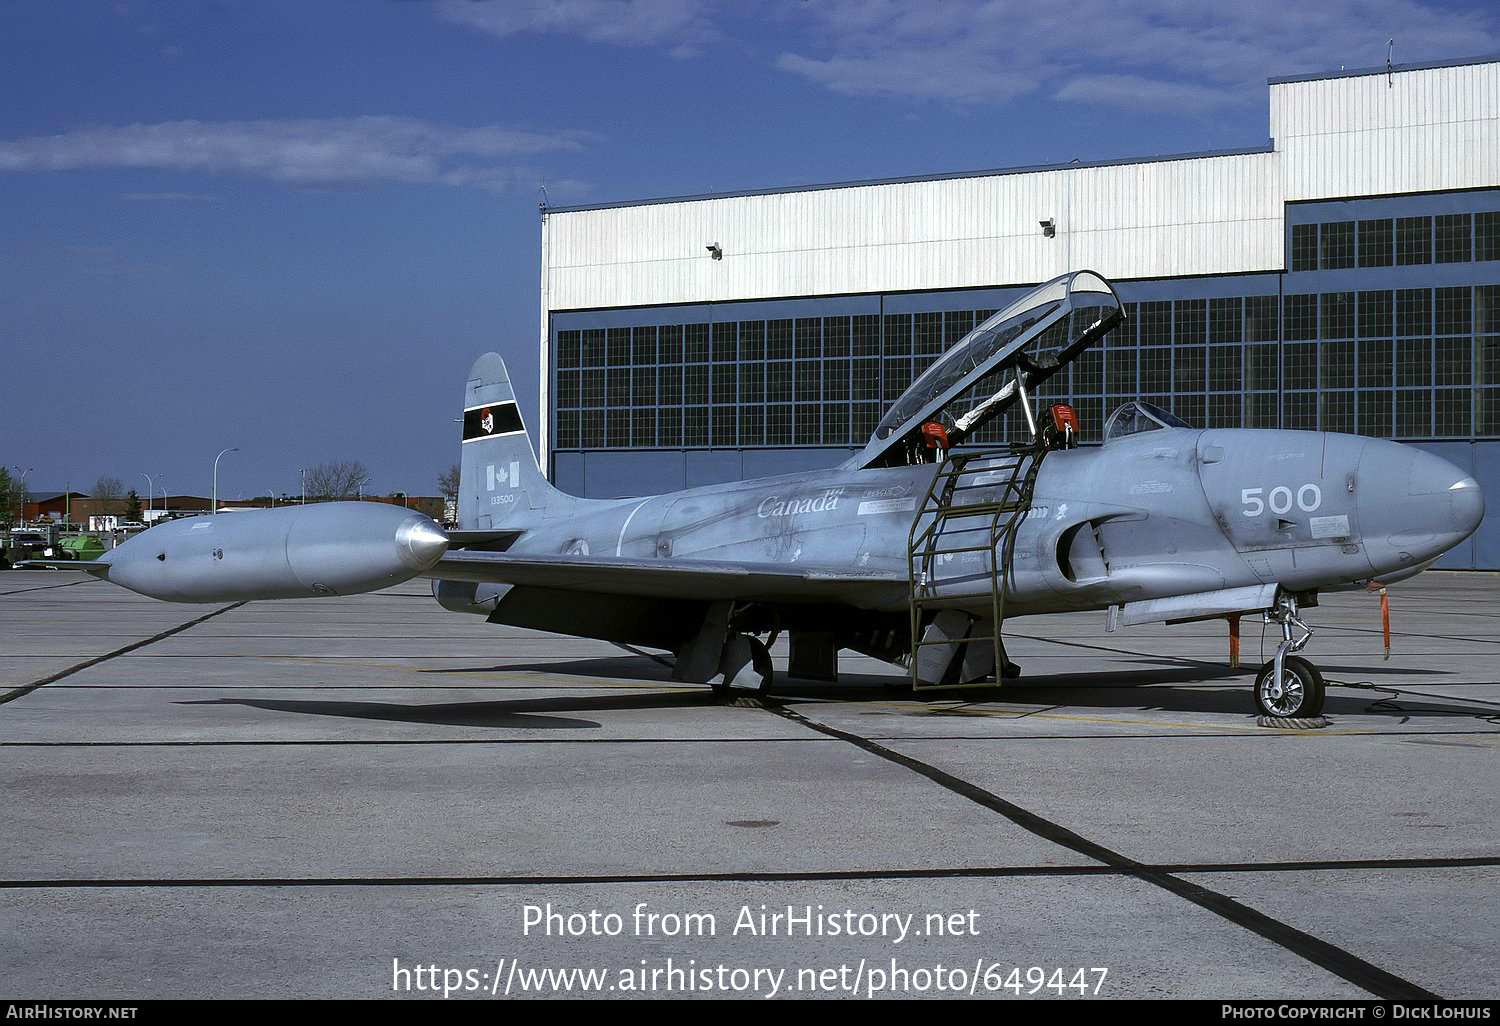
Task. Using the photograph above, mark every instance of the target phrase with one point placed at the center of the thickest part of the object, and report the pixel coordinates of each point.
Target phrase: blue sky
(291, 226)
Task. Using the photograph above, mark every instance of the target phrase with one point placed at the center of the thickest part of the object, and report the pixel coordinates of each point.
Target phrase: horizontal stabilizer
(690, 579)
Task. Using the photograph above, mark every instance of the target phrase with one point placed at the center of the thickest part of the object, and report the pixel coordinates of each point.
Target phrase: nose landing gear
(1288, 686)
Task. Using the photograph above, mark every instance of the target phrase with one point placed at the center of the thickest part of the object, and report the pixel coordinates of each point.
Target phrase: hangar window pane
(1454, 360)
(1123, 334)
(779, 425)
(669, 384)
(1261, 322)
(866, 418)
(1375, 315)
(1375, 414)
(1299, 411)
(726, 425)
(1192, 321)
(1453, 412)
(643, 386)
(1413, 240)
(809, 338)
(752, 425)
(1487, 235)
(1299, 365)
(809, 381)
(1489, 359)
(725, 387)
(1225, 371)
(695, 426)
(1454, 238)
(567, 390)
(1376, 369)
(1414, 361)
(726, 342)
(643, 428)
(897, 377)
(809, 425)
(592, 389)
(1337, 366)
(836, 337)
(867, 335)
(927, 329)
(567, 430)
(836, 425)
(1156, 324)
(643, 345)
(1487, 309)
(1301, 317)
(1413, 413)
(836, 380)
(1488, 419)
(695, 384)
(593, 348)
(1262, 410)
(1337, 315)
(695, 343)
(779, 382)
(669, 427)
(867, 380)
(897, 336)
(591, 429)
(1223, 411)
(1413, 311)
(669, 344)
(567, 348)
(1224, 320)
(1454, 308)
(956, 324)
(779, 340)
(1376, 242)
(617, 428)
(752, 341)
(1088, 372)
(1188, 370)
(1304, 247)
(1337, 244)
(1156, 370)
(1262, 368)
(1119, 371)
(752, 383)
(618, 346)
(1338, 412)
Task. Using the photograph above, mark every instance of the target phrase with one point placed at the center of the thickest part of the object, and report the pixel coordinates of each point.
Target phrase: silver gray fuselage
(1155, 514)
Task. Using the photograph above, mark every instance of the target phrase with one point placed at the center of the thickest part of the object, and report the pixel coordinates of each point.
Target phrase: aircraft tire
(1302, 690)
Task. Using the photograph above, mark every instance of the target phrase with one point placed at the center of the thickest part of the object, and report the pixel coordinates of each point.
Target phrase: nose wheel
(1289, 686)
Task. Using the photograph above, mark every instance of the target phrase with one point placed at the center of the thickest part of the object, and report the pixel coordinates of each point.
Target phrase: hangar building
(1343, 277)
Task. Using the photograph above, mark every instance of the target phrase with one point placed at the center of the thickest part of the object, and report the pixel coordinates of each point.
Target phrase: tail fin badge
(492, 421)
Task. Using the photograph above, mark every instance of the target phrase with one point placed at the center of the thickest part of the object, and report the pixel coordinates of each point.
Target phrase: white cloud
(683, 27)
(307, 152)
(1182, 55)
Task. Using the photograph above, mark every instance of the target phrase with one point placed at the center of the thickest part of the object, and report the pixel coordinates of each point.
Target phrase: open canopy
(1028, 341)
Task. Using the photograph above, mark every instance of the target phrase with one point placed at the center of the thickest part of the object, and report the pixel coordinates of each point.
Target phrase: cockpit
(1136, 416)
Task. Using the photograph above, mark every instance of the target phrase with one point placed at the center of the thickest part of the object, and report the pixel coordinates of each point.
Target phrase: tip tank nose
(420, 542)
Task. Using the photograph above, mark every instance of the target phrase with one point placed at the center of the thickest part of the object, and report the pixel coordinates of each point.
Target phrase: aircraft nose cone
(420, 543)
(1413, 506)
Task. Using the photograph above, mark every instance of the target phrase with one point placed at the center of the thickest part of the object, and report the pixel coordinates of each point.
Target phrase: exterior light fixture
(1049, 227)
(715, 250)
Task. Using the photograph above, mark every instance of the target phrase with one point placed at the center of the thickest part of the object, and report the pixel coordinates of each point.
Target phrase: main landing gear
(1288, 686)
(723, 658)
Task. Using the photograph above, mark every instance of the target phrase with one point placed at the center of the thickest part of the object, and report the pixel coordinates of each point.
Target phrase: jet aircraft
(915, 551)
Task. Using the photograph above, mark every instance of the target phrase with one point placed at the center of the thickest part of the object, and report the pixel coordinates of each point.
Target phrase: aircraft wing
(702, 580)
(97, 567)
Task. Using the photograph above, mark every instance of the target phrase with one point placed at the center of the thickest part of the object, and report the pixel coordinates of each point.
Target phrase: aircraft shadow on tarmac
(1160, 685)
(521, 714)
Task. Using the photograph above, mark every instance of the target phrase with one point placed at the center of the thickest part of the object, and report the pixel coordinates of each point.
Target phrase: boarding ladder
(974, 504)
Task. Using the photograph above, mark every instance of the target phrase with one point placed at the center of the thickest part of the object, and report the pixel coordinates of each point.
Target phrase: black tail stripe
(487, 421)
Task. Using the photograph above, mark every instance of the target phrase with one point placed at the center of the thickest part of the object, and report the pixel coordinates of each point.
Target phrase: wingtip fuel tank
(332, 548)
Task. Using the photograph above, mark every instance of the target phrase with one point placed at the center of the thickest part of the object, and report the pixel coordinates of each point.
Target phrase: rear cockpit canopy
(1024, 344)
(1136, 416)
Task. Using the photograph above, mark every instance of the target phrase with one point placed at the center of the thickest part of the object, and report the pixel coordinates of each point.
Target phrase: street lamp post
(21, 493)
(304, 486)
(150, 492)
(216, 476)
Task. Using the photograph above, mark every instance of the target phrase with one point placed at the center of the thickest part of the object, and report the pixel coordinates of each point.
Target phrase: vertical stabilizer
(499, 485)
